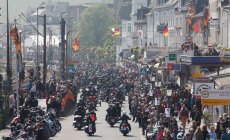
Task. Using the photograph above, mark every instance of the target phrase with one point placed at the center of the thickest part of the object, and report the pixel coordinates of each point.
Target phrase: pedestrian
(219, 127)
(184, 115)
(198, 134)
(212, 134)
(205, 131)
(225, 135)
(189, 135)
(197, 117)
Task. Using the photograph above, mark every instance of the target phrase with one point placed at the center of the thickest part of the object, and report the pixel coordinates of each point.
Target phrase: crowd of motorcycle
(100, 85)
(34, 122)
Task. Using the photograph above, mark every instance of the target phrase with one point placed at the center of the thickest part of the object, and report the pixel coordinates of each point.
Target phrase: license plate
(90, 129)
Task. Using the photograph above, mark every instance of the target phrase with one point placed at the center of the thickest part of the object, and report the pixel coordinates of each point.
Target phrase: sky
(18, 6)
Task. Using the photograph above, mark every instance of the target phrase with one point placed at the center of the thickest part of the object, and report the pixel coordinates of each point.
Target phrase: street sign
(158, 92)
(172, 57)
(143, 71)
(70, 69)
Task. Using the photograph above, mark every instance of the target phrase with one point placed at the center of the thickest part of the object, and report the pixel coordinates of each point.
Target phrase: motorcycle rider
(111, 111)
(91, 117)
(125, 118)
(80, 111)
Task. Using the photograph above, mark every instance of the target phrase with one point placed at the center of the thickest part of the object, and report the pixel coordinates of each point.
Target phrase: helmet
(123, 113)
(180, 135)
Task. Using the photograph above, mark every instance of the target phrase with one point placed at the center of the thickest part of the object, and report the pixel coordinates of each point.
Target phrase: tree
(93, 24)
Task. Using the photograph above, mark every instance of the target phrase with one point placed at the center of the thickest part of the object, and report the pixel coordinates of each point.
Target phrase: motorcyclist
(80, 111)
(111, 111)
(91, 117)
(125, 118)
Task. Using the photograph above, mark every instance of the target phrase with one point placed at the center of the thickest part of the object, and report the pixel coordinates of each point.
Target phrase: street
(104, 131)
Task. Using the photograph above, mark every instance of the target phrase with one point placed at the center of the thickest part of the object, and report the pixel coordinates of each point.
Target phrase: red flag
(196, 27)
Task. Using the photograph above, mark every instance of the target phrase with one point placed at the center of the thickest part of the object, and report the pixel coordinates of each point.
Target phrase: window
(129, 27)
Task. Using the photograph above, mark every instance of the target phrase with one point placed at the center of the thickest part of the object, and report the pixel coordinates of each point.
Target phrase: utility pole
(44, 56)
(62, 47)
(9, 74)
(50, 48)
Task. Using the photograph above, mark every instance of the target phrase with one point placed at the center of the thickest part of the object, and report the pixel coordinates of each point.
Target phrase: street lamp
(158, 84)
(62, 14)
(41, 7)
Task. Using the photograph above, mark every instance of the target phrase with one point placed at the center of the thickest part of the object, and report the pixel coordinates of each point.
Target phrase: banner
(14, 35)
(76, 44)
(215, 97)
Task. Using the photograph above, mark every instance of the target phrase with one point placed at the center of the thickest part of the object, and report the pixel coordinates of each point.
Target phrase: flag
(190, 13)
(196, 27)
(14, 35)
(115, 31)
(140, 32)
(76, 44)
(165, 31)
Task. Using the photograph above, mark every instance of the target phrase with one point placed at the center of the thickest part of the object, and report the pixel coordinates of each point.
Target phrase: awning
(223, 81)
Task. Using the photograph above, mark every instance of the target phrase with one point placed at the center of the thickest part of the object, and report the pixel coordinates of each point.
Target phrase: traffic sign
(143, 71)
(158, 92)
(70, 69)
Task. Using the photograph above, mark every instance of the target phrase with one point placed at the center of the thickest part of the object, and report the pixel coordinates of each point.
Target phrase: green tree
(93, 25)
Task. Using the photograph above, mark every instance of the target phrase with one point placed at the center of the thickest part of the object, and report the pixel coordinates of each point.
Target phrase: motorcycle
(78, 122)
(111, 120)
(90, 129)
(124, 129)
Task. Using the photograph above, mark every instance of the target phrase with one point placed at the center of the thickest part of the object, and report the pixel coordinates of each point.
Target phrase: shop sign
(215, 97)
(198, 87)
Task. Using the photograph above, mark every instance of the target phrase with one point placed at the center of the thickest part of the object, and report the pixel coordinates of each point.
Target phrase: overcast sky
(18, 6)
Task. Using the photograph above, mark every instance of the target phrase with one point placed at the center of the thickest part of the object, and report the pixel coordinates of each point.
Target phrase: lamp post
(37, 77)
(157, 99)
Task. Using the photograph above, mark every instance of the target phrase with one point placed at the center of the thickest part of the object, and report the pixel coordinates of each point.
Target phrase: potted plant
(226, 52)
(207, 118)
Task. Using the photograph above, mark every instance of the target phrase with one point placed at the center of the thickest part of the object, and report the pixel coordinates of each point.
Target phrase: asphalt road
(104, 131)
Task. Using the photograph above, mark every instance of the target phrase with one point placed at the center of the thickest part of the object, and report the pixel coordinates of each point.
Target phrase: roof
(167, 4)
